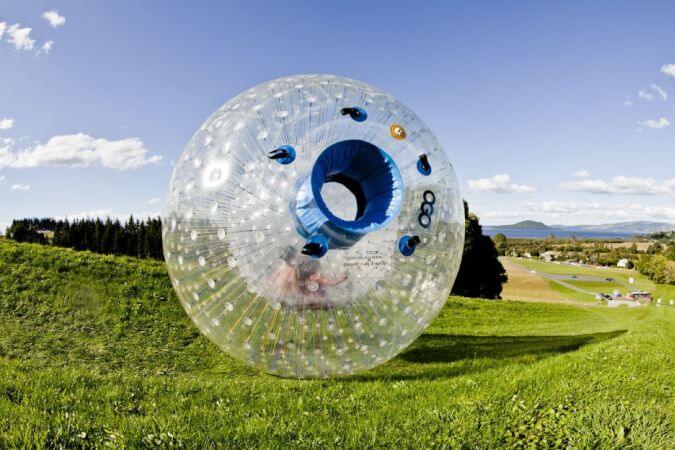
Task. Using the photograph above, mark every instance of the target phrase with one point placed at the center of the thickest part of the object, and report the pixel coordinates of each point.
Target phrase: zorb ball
(313, 227)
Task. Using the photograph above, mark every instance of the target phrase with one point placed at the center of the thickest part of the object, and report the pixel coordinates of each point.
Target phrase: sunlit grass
(97, 351)
(665, 293)
(572, 294)
(620, 276)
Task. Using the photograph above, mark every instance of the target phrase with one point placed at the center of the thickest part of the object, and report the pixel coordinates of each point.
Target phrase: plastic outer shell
(299, 234)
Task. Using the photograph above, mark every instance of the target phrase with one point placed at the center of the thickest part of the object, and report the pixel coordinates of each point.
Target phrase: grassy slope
(574, 295)
(91, 354)
(621, 276)
(666, 293)
(525, 286)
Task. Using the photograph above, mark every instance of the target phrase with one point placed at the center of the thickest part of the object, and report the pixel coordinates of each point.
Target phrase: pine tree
(480, 273)
(107, 237)
(119, 239)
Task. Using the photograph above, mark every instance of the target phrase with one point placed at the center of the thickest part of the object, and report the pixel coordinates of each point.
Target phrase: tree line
(659, 263)
(142, 239)
(657, 268)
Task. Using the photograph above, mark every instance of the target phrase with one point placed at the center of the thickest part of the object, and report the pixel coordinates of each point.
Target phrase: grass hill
(95, 351)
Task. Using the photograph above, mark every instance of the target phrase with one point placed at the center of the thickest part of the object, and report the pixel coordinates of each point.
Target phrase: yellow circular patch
(397, 132)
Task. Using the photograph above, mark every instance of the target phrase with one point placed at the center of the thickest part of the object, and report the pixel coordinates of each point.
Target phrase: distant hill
(525, 225)
(637, 227)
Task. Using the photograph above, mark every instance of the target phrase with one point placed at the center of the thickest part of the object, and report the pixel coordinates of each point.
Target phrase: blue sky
(557, 112)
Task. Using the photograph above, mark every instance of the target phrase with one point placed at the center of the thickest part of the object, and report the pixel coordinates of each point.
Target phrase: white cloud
(492, 214)
(649, 96)
(81, 150)
(632, 211)
(554, 207)
(500, 183)
(6, 123)
(144, 215)
(644, 95)
(659, 90)
(20, 37)
(621, 185)
(20, 187)
(46, 48)
(104, 213)
(668, 69)
(653, 124)
(580, 212)
(153, 201)
(2, 179)
(6, 156)
(628, 103)
(583, 173)
(54, 19)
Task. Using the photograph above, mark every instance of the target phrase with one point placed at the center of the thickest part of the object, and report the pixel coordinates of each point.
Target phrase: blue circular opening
(369, 173)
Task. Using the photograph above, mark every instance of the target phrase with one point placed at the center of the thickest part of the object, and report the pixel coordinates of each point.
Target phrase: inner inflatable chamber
(369, 173)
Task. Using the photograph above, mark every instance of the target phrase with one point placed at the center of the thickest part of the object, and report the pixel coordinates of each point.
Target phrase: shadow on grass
(430, 348)
(443, 355)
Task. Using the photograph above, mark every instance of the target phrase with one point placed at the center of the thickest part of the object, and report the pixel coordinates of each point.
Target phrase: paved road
(554, 276)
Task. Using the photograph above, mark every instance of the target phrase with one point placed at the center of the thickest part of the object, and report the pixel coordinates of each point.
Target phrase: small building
(549, 256)
(640, 296)
(623, 263)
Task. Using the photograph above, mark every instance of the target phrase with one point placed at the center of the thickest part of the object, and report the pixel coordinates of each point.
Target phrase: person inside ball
(300, 282)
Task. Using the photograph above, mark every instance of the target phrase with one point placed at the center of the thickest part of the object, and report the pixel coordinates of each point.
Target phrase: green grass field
(598, 286)
(95, 351)
(666, 293)
(620, 283)
(576, 296)
(620, 275)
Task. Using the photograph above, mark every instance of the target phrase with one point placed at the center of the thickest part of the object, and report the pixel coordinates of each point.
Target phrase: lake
(558, 232)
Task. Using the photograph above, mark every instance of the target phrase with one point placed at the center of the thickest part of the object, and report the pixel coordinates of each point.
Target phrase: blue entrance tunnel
(369, 173)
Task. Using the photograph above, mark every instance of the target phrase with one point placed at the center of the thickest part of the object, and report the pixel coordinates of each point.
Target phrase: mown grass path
(96, 351)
